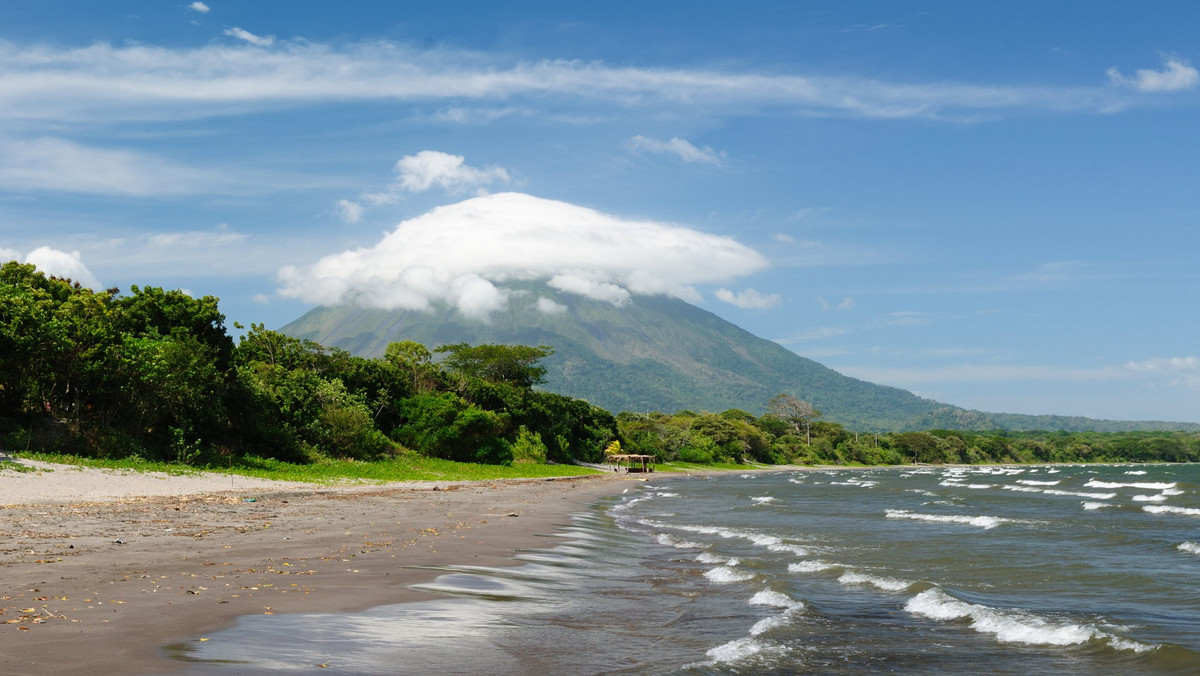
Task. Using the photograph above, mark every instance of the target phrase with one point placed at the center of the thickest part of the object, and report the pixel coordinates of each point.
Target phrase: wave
(770, 597)
(1056, 491)
(813, 566)
(1034, 482)
(774, 599)
(1191, 547)
(1136, 471)
(1167, 509)
(985, 522)
(740, 650)
(1150, 498)
(763, 500)
(1081, 494)
(760, 539)
(1012, 625)
(884, 583)
(726, 574)
(794, 549)
(1095, 505)
(1144, 485)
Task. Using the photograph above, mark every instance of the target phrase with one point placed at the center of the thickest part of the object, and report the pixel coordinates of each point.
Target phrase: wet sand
(101, 569)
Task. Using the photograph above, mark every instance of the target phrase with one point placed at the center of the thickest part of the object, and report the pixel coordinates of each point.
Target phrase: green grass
(405, 468)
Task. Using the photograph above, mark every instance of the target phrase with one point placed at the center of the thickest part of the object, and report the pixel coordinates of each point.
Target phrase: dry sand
(103, 568)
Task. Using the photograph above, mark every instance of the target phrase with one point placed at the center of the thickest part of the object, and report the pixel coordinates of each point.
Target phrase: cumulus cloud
(349, 211)
(199, 7)
(748, 299)
(62, 264)
(462, 254)
(426, 170)
(1177, 74)
(678, 147)
(430, 168)
(256, 40)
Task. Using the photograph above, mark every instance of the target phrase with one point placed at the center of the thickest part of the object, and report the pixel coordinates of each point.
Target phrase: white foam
(1144, 485)
(794, 549)
(1167, 509)
(1081, 494)
(672, 541)
(770, 597)
(665, 494)
(1095, 505)
(813, 566)
(1008, 626)
(763, 500)
(884, 583)
(1024, 489)
(1191, 547)
(756, 538)
(736, 650)
(1136, 471)
(985, 522)
(1033, 482)
(1150, 498)
(705, 557)
(1172, 491)
(726, 574)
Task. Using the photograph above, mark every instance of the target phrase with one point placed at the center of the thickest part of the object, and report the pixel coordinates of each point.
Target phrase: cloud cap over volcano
(459, 253)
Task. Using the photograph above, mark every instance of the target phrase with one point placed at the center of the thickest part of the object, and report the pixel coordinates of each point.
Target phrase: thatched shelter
(631, 463)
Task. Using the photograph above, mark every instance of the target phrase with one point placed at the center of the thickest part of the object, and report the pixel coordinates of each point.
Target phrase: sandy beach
(103, 568)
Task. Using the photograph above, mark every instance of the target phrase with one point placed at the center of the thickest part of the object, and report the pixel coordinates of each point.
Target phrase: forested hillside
(662, 354)
(652, 354)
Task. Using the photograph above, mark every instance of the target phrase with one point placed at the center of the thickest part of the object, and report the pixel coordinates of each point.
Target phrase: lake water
(988, 570)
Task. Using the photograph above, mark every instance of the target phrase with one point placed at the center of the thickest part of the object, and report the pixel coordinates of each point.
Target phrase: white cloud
(1177, 74)
(9, 255)
(430, 168)
(748, 299)
(59, 165)
(122, 82)
(460, 254)
(63, 264)
(679, 147)
(550, 307)
(199, 7)
(846, 304)
(256, 40)
(349, 212)
(1165, 364)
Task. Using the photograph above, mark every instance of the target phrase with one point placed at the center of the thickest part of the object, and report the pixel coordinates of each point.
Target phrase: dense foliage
(156, 375)
(737, 436)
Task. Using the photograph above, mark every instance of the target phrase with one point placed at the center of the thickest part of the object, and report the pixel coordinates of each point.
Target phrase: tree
(414, 361)
(513, 364)
(794, 411)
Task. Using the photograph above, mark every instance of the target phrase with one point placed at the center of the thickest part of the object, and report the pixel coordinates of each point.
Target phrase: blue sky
(990, 204)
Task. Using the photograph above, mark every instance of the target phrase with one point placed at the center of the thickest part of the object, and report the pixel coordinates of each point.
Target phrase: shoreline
(104, 579)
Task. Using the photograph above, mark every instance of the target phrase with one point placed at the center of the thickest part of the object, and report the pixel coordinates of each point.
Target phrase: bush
(528, 448)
